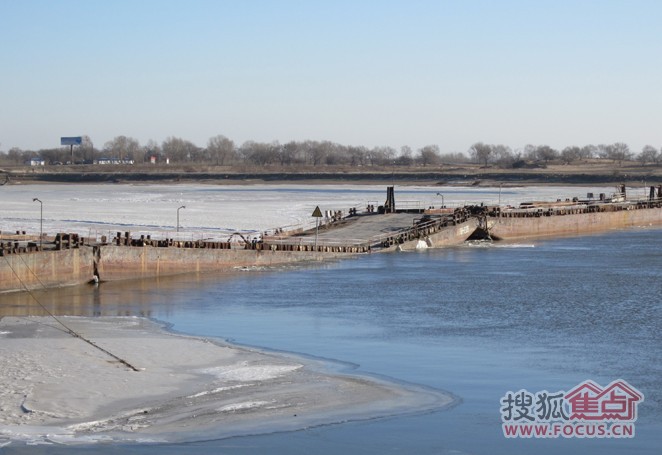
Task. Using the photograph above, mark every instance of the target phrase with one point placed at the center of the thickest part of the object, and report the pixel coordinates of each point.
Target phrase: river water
(476, 320)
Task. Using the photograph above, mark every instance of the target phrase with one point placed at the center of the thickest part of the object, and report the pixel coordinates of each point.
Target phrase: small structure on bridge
(389, 205)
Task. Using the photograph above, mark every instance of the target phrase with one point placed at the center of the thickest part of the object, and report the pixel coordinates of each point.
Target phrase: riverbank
(593, 173)
(58, 388)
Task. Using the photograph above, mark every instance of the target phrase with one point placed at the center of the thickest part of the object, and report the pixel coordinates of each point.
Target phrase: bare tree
(603, 151)
(429, 155)
(260, 153)
(570, 154)
(546, 153)
(649, 154)
(357, 155)
(481, 153)
(587, 152)
(122, 147)
(530, 152)
(290, 153)
(381, 156)
(405, 158)
(179, 149)
(151, 149)
(16, 155)
(221, 149)
(315, 154)
(325, 149)
(618, 151)
(503, 155)
(55, 156)
(336, 154)
(86, 149)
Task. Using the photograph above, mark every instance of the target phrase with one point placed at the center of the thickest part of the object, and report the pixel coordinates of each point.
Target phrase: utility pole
(41, 222)
(182, 207)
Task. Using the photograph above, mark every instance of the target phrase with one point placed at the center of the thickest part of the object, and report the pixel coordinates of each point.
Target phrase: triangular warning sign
(317, 213)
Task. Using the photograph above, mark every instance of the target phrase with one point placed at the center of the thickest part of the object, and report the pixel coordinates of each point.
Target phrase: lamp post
(41, 221)
(182, 207)
(442, 199)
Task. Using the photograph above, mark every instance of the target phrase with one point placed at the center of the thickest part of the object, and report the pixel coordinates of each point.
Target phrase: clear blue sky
(355, 72)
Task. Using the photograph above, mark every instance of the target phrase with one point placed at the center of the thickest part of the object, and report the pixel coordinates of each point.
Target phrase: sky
(355, 72)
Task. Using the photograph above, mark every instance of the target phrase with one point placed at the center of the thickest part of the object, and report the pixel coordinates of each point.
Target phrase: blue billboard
(77, 140)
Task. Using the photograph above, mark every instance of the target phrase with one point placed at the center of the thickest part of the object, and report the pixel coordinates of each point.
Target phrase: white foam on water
(479, 243)
(515, 245)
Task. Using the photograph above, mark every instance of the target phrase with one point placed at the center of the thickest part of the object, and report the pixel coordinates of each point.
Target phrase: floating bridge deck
(370, 232)
(28, 261)
(365, 231)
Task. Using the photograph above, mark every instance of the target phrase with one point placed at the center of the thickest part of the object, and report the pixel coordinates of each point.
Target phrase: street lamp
(41, 221)
(442, 199)
(182, 207)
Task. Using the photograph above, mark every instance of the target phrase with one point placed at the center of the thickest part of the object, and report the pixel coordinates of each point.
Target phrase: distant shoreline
(455, 176)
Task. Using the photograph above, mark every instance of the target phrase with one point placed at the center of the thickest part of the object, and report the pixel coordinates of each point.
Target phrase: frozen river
(214, 211)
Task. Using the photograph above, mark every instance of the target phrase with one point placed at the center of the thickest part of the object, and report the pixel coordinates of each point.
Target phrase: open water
(476, 320)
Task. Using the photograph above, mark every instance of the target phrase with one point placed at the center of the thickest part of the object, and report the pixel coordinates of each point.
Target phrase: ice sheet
(216, 211)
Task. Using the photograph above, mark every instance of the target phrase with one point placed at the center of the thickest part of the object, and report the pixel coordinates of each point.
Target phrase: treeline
(540, 155)
(222, 151)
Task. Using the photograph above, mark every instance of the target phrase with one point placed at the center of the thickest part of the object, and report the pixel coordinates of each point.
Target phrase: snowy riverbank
(57, 388)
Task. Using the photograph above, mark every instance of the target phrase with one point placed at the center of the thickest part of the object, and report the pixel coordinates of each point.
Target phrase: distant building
(113, 161)
(155, 159)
